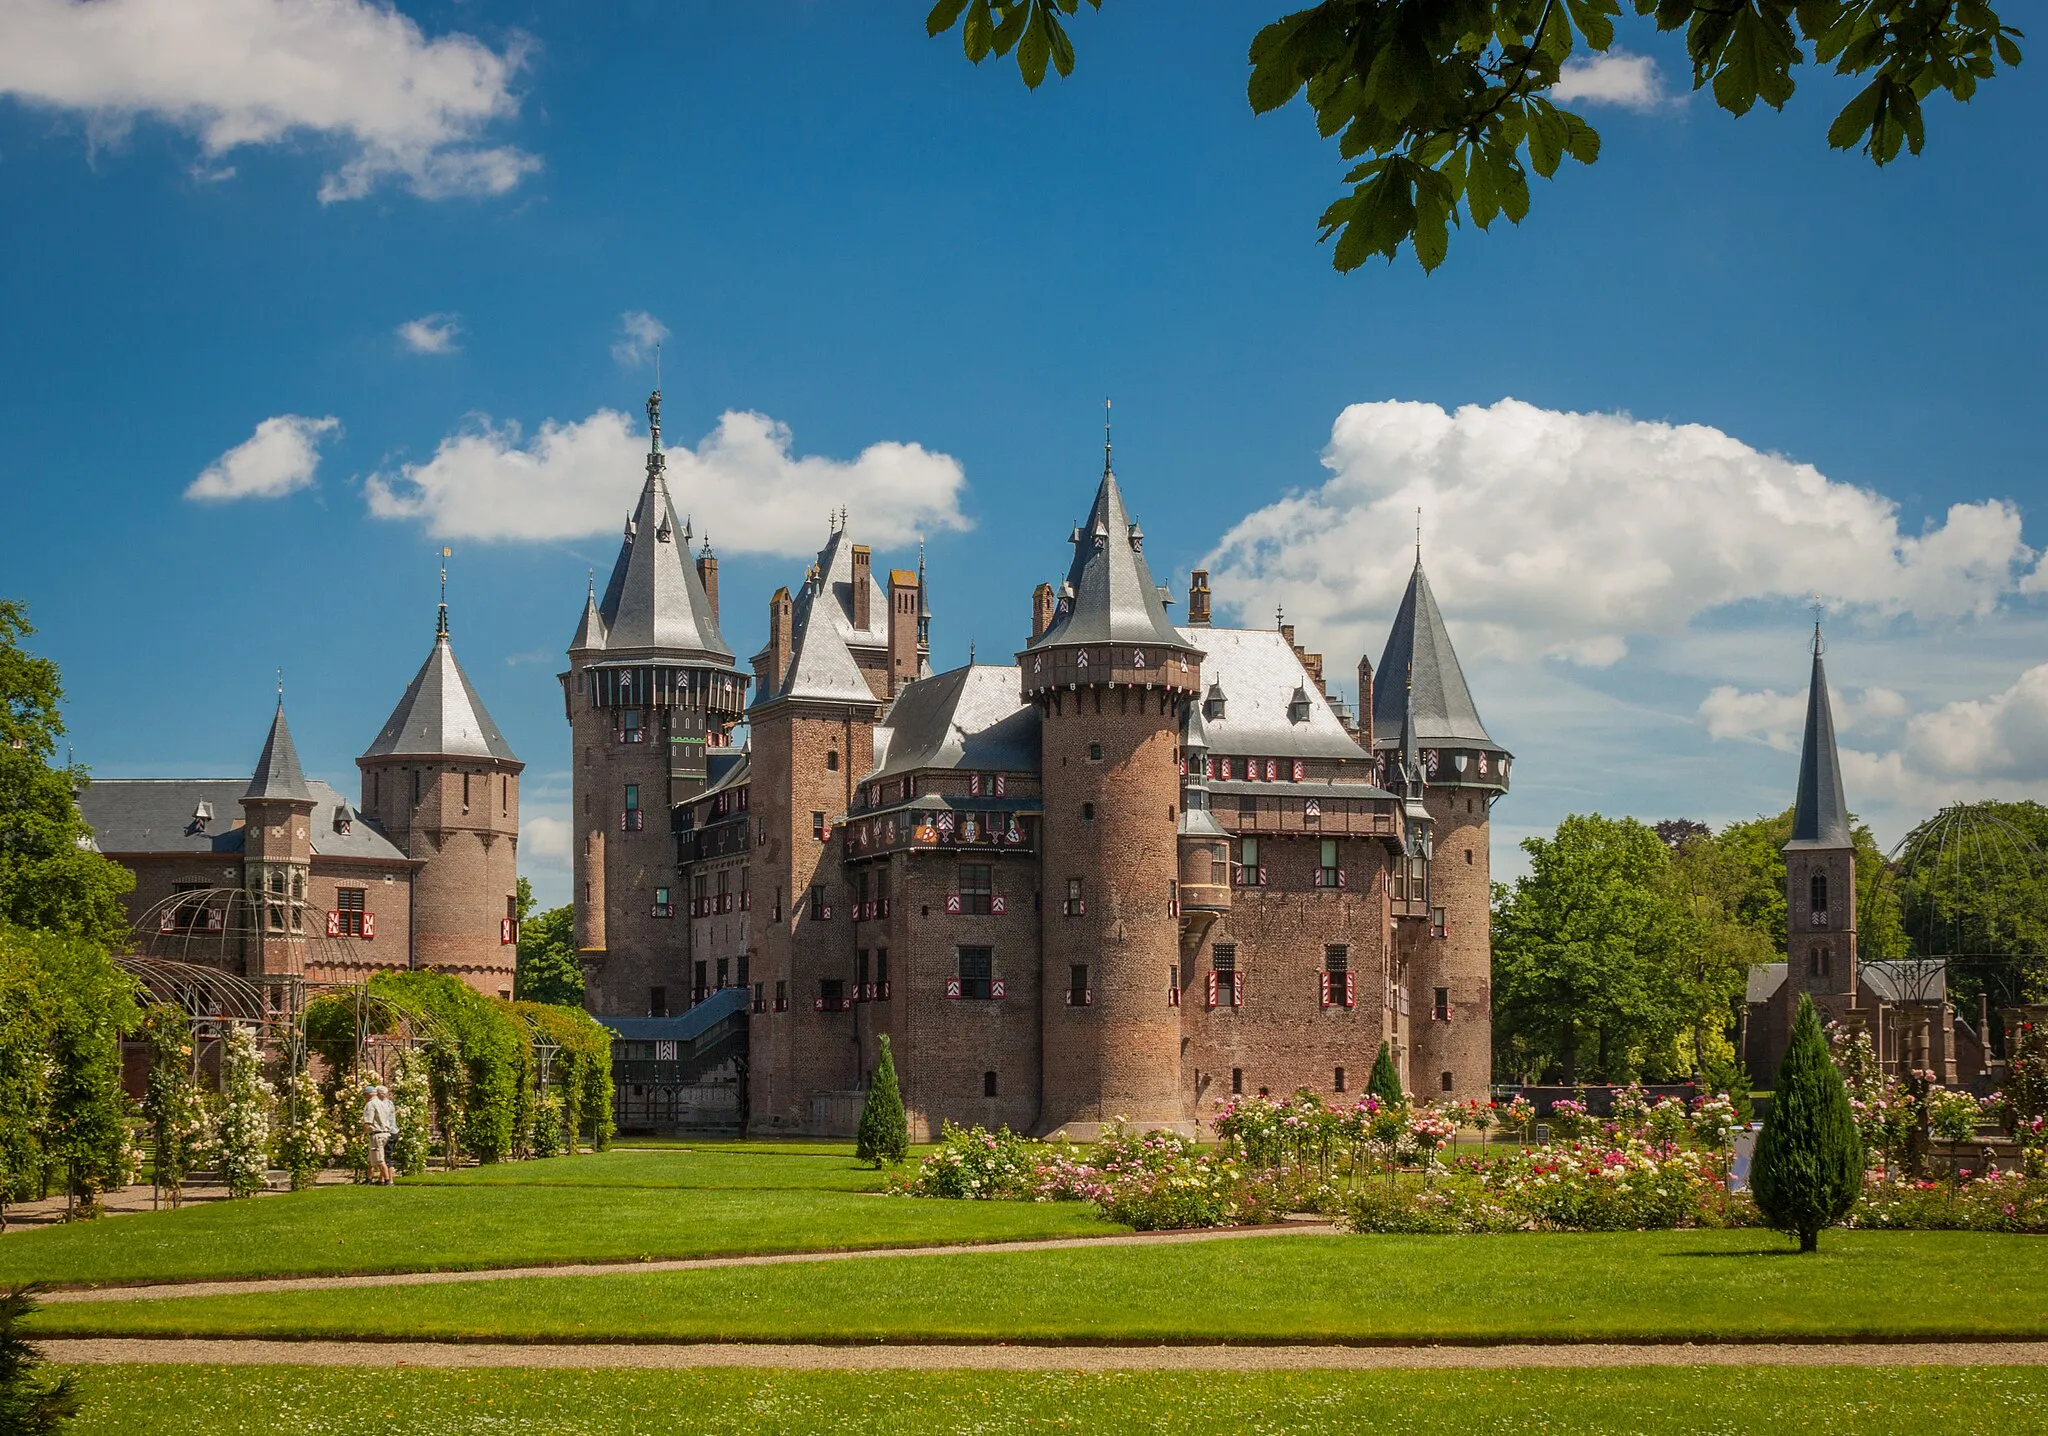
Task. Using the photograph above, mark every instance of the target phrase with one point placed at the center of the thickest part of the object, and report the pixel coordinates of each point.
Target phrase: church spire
(1820, 814)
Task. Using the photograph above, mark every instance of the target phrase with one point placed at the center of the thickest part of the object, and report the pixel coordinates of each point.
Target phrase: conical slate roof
(654, 599)
(590, 630)
(1109, 595)
(1820, 815)
(440, 714)
(278, 774)
(1419, 651)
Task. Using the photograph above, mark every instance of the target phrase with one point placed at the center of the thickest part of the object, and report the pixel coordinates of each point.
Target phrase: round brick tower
(1110, 678)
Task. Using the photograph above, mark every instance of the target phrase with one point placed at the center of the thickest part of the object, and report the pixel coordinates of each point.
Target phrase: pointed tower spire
(1820, 814)
(1420, 645)
(278, 774)
(440, 713)
(1109, 595)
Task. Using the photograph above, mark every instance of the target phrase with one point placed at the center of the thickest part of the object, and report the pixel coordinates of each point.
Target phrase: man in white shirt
(380, 1125)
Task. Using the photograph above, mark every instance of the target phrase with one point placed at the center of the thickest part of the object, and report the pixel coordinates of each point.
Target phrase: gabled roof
(1260, 673)
(654, 601)
(972, 718)
(823, 634)
(440, 714)
(1419, 650)
(1820, 815)
(278, 774)
(1109, 595)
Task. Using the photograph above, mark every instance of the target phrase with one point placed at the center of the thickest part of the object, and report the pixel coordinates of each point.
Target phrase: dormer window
(1213, 704)
(1298, 706)
(201, 816)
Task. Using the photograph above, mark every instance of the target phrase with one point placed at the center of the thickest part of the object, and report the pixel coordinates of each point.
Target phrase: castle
(1146, 866)
(278, 878)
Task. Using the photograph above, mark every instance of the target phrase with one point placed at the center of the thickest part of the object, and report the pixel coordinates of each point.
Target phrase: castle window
(657, 1002)
(376, 789)
(505, 795)
(724, 972)
(629, 726)
(1226, 983)
(349, 906)
(818, 828)
(743, 975)
(1817, 962)
(1095, 752)
(1237, 1081)
(1172, 898)
(1087, 812)
(777, 913)
(1440, 1005)
(1250, 874)
(1330, 877)
(697, 992)
(781, 996)
(1338, 987)
(415, 787)
(760, 1002)
(1219, 867)
(819, 911)
(977, 888)
(1076, 904)
(1078, 994)
(988, 1084)
(832, 995)
(1468, 857)
(465, 792)
(860, 968)
(831, 760)
(977, 971)
(1817, 891)
(1448, 1084)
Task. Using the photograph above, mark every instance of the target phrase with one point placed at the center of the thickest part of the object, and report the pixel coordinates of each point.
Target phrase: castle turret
(442, 784)
(1110, 677)
(650, 688)
(1820, 858)
(277, 855)
(1435, 751)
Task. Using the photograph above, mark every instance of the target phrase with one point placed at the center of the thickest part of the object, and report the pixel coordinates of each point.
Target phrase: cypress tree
(884, 1134)
(1808, 1169)
(29, 1404)
(1385, 1082)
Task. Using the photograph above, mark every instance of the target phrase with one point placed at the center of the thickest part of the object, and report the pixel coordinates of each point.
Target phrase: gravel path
(164, 1290)
(1034, 1358)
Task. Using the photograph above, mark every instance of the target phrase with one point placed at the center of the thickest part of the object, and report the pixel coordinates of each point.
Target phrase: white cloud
(279, 458)
(1614, 78)
(431, 334)
(257, 72)
(1779, 719)
(741, 485)
(544, 841)
(1568, 535)
(639, 335)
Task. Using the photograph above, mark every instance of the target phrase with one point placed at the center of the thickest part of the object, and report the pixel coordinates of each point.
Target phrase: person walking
(380, 1125)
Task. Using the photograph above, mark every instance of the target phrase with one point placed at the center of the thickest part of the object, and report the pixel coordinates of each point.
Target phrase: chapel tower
(649, 690)
(1820, 860)
(442, 784)
(1110, 678)
(1437, 754)
(277, 855)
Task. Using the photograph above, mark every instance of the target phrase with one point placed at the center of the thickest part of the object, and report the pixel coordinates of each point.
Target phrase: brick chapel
(280, 877)
(1145, 866)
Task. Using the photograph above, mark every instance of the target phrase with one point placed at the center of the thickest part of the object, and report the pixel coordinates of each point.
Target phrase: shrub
(172, 1101)
(350, 1094)
(241, 1126)
(884, 1137)
(29, 1405)
(414, 1103)
(305, 1138)
(976, 1164)
(1809, 1158)
(1385, 1082)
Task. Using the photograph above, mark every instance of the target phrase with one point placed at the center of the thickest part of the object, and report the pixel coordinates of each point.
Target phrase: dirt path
(165, 1290)
(1034, 1358)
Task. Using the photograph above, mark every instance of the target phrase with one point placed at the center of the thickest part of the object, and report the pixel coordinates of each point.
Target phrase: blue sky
(1722, 369)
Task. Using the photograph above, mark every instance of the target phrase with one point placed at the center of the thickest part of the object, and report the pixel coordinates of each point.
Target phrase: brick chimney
(707, 574)
(1041, 610)
(863, 606)
(774, 659)
(902, 625)
(1198, 599)
(1365, 703)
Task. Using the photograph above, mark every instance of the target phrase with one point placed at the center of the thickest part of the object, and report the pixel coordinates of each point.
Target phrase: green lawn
(616, 1206)
(142, 1400)
(1639, 1285)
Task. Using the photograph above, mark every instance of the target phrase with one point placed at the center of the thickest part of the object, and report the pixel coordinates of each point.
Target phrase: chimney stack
(1041, 610)
(902, 626)
(1198, 599)
(707, 574)
(1365, 703)
(781, 639)
(863, 606)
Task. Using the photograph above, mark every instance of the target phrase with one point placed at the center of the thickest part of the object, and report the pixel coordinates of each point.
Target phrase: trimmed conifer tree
(1808, 1169)
(1385, 1082)
(30, 1404)
(884, 1137)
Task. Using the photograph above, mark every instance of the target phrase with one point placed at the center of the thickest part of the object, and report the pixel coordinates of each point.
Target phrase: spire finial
(590, 580)
(1418, 535)
(1819, 608)
(1279, 616)
(1105, 434)
(280, 690)
(970, 653)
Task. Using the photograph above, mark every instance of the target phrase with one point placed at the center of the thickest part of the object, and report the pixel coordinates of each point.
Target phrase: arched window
(1817, 962)
(1818, 890)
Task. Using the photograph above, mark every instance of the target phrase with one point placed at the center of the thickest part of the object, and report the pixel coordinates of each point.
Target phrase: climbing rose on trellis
(242, 1124)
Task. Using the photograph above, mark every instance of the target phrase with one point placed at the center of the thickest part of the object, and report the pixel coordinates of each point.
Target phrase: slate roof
(155, 816)
(1907, 980)
(1109, 595)
(1260, 673)
(971, 717)
(715, 1008)
(654, 601)
(278, 774)
(1820, 815)
(440, 714)
(1419, 645)
(823, 635)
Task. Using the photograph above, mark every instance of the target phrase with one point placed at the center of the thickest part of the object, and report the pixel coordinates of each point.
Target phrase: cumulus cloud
(431, 334)
(544, 841)
(357, 73)
(1568, 535)
(1779, 719)
(1631, 82)
(742, 485)
(278, 459)
(639, 335)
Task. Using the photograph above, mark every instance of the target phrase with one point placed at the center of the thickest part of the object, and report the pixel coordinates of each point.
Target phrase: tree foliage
(50, 877)
(1808, 1169)
(1443, 108)
(549, 970)
(1385, 1081)
(884, 1135)
(30, 1405)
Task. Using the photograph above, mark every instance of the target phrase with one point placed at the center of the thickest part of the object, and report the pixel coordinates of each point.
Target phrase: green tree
(1714, 969)
(1443, 107)
(50, 877)
(1385, 1082)
(91, 1006)
(884, 1136)
(29, 1404)
(549, 969)
(1808, 1169)
(1591, 957)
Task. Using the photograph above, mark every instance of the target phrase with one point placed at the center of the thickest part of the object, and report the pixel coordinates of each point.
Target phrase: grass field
(145, 1400)
(615, 1206)
(1636, 1285)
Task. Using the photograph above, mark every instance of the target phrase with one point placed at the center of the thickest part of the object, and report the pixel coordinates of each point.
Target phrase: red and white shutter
(1350, 989)
(1325, 988)
(1237, 989)
(369, 924)
(952, 987)
(952, 902)
(333, 924)
(1210, 994)
(997, 988)
(997, 905)
(505, 927)
(167, 921)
